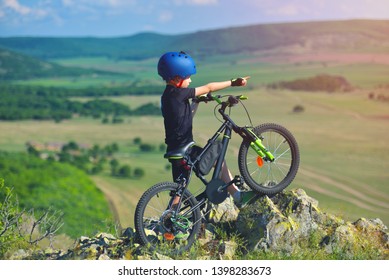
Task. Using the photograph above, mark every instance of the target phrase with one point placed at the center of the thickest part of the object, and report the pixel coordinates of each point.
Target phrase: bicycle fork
(257, 145)
(248, 134)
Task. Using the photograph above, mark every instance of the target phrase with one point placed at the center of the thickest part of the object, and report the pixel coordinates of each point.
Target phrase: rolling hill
(14, 65)
(351, 35)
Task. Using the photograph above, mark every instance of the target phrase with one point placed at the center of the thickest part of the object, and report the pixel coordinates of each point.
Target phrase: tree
(114, 167)
(65, 157)
(96, 169)
(146, 147)
(139, 172)
(137, 141)
(73, 146)
(110, 149)
(32, 151)
(125, 171)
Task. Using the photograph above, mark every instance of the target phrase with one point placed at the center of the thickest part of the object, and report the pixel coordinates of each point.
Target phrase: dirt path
(111, 200)
(122, 202)
(356, 197)
(353, 201)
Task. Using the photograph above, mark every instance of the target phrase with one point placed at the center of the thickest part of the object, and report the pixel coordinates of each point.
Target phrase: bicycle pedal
(238, 180)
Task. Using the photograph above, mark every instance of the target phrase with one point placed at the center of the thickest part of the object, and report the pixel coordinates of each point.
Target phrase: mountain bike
(268, 161)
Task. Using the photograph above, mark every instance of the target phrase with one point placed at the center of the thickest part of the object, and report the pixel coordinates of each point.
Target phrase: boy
(176, 68)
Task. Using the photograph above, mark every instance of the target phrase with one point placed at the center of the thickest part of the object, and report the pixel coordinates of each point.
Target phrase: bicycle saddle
(178, 153)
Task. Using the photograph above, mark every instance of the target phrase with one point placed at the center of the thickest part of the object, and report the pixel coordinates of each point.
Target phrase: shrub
(322, 82)
(10, 216)
(125, 171)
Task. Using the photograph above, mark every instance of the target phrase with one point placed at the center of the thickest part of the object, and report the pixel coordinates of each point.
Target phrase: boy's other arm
(215, 86)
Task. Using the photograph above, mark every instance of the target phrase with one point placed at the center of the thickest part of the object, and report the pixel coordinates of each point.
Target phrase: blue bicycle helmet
(173, 64)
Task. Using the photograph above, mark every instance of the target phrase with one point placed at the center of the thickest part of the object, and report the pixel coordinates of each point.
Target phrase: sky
(111, 18)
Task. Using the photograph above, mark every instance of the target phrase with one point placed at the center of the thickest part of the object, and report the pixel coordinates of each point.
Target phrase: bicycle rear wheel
(159, 228)
(270, 177)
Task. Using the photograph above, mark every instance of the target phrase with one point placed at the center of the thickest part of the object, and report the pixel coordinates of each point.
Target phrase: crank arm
(237, 181)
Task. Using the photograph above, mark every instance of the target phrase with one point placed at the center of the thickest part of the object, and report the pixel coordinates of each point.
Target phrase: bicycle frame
(226, 130)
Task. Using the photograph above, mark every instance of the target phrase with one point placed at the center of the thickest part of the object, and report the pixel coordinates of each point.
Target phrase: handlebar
(232, 100)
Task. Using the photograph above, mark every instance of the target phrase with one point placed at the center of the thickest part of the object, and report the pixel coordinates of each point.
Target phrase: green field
(343, 137)
(364, 75)
(343, 140)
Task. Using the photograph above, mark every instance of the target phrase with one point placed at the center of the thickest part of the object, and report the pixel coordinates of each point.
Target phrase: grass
(344, 151)
(218, 67)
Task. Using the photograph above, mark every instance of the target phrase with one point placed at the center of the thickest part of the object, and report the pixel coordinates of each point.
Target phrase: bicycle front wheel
(158, 226)
(270, 177)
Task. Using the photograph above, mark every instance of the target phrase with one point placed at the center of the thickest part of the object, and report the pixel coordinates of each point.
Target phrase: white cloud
(286, 10)
(15, 6)
(98, 3)
(289, 8)
(321, 8)
(165, 16)
(148, 27)
(202, 2)
(8, 9)
(196, 2)
(96, 8)
(366, 8)
(67, 3)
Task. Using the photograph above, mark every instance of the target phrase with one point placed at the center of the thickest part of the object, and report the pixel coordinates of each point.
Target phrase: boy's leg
(226, 177)
(240, 198)
(176, 172)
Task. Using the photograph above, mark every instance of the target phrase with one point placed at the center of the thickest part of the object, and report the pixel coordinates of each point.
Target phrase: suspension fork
(248, 134)
(257, 145)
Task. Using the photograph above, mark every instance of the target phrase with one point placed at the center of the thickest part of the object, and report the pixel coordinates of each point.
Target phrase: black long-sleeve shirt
(178, 117)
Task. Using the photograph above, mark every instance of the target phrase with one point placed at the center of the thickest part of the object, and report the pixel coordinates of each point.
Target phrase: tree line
(93, 160)
(323, 82)
(131, 89)
(20, 103)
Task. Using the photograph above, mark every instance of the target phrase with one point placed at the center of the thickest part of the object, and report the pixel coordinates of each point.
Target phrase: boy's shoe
(181, 236)
(246, 198)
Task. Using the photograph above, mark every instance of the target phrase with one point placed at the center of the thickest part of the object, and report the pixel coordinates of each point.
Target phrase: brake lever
(232, 100)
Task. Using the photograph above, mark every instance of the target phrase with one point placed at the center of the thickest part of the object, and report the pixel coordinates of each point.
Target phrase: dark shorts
(177, 168)
(205, 164)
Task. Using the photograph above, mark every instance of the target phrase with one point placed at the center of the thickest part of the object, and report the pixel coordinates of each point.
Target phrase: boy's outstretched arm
(215, 86)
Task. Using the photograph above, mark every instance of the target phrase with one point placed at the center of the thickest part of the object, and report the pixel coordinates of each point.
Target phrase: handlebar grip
(201, 98)
(206, 98)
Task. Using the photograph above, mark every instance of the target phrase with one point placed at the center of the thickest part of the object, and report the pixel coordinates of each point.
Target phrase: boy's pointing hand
(239, 81)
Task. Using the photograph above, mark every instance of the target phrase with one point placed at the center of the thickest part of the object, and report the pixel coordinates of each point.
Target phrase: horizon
(119, 18)
(201, 30)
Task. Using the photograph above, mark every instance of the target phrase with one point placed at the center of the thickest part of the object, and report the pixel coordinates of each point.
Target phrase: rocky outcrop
(288, 225)
(291, 222)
